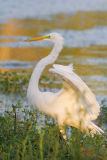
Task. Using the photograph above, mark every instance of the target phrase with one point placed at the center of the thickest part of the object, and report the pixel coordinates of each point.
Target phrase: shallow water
(82, 23)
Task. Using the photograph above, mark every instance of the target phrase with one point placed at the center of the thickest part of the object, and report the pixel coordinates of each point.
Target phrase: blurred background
(82, 23)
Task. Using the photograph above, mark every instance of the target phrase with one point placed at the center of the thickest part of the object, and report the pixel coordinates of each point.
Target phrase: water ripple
(16, 64)
(40, 8)
(95, 36)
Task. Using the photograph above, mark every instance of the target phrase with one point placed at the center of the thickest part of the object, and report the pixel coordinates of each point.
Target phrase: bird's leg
(62, 130)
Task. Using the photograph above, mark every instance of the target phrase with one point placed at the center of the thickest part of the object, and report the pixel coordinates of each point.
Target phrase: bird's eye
(52, 36)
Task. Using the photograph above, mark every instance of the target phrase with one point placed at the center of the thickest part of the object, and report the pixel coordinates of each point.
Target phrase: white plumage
(74, 105)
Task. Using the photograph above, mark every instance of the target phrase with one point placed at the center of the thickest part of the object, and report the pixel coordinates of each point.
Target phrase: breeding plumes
(74, 105)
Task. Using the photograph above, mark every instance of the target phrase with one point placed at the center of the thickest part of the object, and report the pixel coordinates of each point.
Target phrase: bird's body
(74, 105)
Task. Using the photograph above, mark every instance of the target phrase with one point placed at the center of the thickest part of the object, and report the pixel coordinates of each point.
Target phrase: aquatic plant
(36, 135)
(13, 82)
(32, 139)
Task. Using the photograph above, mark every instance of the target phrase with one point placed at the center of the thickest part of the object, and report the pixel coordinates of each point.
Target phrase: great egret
(74, 105)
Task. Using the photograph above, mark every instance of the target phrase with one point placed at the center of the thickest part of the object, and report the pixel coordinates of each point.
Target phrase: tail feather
(95, 129)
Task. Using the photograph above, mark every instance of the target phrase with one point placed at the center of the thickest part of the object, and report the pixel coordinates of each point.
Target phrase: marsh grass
(36, 136)
(29, 139)
(13, 82)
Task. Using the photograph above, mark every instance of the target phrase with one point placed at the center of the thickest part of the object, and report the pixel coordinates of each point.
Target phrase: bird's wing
(83, 93)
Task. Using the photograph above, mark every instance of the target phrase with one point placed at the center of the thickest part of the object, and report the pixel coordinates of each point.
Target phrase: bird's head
(52, 37)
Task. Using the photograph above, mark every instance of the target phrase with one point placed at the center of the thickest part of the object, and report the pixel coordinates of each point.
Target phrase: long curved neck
(33, 88)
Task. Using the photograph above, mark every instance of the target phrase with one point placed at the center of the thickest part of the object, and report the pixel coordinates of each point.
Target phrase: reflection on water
(39, 8)
(85, 34)
(33, 26)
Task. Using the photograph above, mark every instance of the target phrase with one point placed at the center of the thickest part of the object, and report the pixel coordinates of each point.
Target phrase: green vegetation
(13, 82)
(35, 136)
(32, 139)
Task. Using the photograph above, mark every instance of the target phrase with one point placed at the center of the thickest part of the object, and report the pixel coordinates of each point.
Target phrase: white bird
(74, 105)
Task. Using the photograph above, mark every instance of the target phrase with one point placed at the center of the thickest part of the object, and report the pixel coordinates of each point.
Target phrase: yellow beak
(38, 38)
